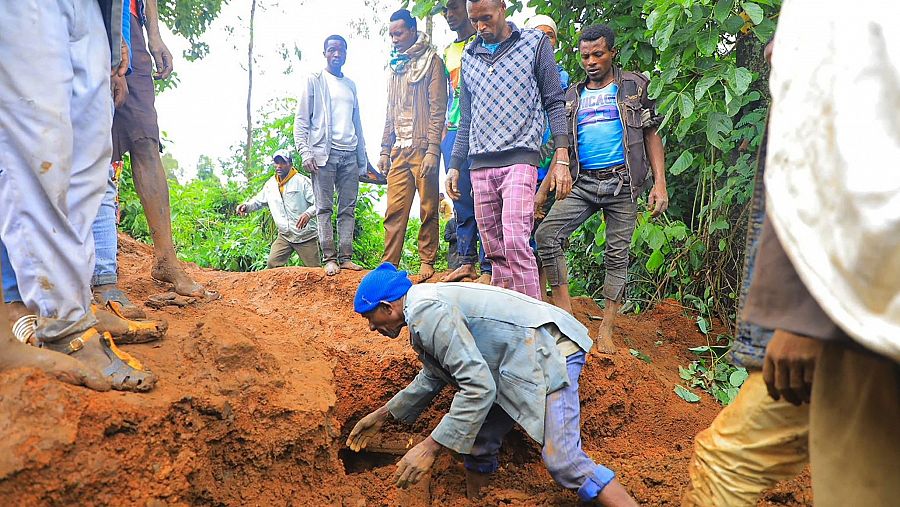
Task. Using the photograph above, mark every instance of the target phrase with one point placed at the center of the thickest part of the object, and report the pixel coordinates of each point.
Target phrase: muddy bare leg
(475, 482)
(603, 343)
(615, 495)
(153, 189)
(560, 297)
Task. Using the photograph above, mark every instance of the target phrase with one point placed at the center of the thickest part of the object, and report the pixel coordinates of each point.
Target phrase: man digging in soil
(514, 359)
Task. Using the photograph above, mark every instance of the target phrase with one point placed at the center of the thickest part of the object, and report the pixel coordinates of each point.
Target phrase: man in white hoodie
(289, 197)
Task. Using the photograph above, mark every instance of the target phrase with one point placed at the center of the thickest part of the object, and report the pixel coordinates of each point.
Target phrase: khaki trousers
(752, 444)
(403, 183)
(854, 429)
(282, 250)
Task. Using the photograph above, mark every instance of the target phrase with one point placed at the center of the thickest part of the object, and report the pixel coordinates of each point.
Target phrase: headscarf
(383, 284)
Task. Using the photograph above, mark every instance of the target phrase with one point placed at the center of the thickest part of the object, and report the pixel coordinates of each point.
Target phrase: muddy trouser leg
(566, 461)
(280, 253)
(55, 149)
(106, 241)
(484, 456)
(308, 252)
(323, 182)
(752, 444)
(552, 236)
(347, 183)
(620, 214)
(854, 436)
(463, 208)
(401, 191)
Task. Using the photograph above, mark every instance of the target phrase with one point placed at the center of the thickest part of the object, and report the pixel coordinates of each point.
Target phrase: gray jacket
(312, 122)
(495, 345)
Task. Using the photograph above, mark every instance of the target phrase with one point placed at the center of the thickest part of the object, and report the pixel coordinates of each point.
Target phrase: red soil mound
(258, 391)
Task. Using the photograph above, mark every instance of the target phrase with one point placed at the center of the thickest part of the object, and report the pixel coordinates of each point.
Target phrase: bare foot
(462, 273)
(604, 345)
(173, 273)
(426, 271)
(475, 482)
(352, 266)
(484, 279)
(60, 366)
(332, 268)
(130, 331)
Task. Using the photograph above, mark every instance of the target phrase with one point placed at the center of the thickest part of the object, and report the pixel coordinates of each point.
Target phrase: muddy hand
(416, 463)
(366, 428)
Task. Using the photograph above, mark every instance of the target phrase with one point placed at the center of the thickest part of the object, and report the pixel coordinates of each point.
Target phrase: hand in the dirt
(452, 184)
(658, 201)
(366, 428)
(119, 87)
(310, 165)
(789, 366)
(162, 57)
(304, 219)
(416, 463)
(242, 209)
(429, 165)
(384, 164)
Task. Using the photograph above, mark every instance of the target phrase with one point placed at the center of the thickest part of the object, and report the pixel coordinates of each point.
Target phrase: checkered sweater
(503, 99)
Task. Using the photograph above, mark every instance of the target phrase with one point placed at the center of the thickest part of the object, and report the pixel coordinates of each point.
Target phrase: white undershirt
(343, 132)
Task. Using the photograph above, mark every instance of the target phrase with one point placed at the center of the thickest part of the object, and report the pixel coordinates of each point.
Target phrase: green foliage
(206, 228)
(190, 19)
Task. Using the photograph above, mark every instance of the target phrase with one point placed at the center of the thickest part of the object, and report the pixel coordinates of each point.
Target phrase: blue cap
(383, 283)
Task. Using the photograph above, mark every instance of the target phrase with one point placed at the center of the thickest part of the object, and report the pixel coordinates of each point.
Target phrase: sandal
(373, 176)
(137, 331)
(123, 371)
(117, 302)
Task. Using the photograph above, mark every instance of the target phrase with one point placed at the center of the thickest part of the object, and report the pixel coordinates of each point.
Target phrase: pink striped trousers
(504, 210)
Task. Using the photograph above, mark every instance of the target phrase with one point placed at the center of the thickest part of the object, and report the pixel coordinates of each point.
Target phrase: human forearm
(657, 155)
(151, 12)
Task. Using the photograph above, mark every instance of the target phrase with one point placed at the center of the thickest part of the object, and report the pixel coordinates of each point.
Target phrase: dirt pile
(258, 391)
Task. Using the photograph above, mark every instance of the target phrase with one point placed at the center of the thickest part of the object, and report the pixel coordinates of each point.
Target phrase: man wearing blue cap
(513, 359)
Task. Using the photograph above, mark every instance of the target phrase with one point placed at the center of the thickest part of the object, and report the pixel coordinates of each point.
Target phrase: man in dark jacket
(613, 124)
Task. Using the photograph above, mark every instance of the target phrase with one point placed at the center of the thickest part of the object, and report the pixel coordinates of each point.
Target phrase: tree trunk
(249, 143)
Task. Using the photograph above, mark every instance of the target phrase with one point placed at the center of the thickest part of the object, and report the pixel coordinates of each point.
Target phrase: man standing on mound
(514, 359)
(329, 138)
(411, 145)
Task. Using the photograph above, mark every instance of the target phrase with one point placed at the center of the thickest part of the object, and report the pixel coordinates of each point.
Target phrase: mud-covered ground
(258, 391)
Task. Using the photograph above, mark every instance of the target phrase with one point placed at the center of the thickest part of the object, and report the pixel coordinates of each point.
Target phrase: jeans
(468, 245)
(563, 456)
(55, 150)
(10, 287)
(341, 174)
(591, 193)
(106, 242)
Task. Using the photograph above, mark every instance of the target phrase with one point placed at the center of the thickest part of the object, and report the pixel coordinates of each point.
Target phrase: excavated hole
(363, 461)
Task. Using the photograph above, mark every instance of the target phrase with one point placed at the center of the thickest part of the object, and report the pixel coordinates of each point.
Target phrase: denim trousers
(468, 245)
(592, 192)
(563, 456)
(339, 174)
(106, 242)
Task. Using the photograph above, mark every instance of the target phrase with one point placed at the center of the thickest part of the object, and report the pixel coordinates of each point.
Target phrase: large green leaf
(685, 105)
(717, 124)
(707, 42)
(723, 9)
(704, 84)
(686, 394)
(683, 162)
(754, 11)
(739, 79)
(655, 260)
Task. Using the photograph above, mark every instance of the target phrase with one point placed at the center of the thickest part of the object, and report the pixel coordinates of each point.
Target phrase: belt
(616, 171)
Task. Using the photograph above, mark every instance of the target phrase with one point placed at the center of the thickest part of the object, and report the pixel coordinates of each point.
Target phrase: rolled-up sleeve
(445, 336)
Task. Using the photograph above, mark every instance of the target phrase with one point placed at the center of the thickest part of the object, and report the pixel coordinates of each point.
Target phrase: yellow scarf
(283, 182)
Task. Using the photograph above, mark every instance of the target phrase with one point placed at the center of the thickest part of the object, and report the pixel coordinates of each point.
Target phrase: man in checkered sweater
(509, 82)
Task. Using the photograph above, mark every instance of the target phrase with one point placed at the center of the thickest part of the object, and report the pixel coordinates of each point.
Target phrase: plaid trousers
(504, 210)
